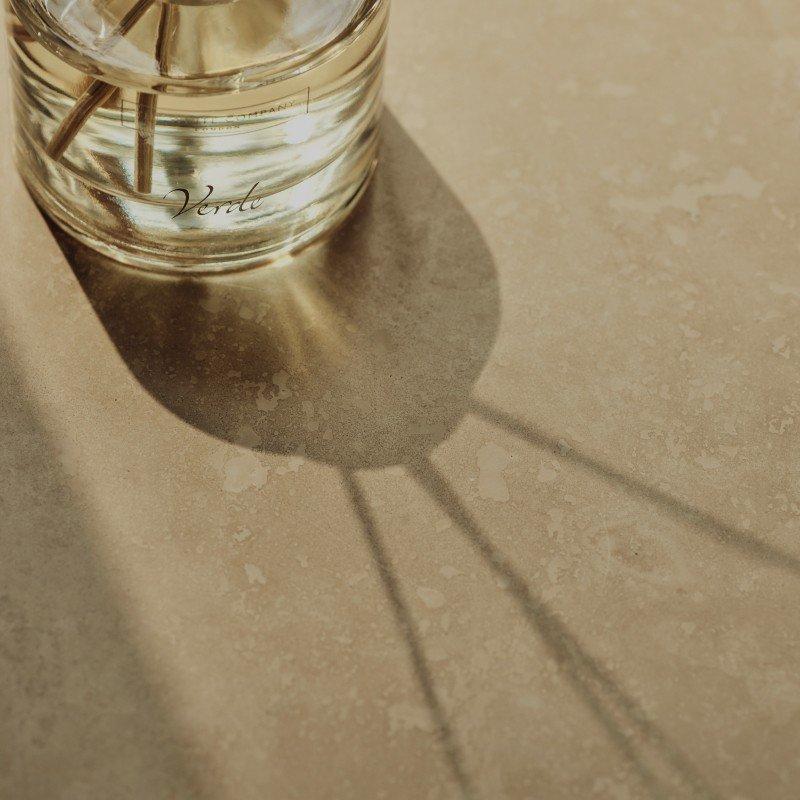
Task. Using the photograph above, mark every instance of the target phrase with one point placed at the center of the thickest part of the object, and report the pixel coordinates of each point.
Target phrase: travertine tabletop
(496, 496)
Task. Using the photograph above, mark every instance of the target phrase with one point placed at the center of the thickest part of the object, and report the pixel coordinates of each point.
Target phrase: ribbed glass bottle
(197, 135)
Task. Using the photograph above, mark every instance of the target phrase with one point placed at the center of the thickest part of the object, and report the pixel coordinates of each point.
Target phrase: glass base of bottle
(268, 237)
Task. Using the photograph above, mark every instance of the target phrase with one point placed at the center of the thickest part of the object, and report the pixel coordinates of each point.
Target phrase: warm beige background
(575, 288)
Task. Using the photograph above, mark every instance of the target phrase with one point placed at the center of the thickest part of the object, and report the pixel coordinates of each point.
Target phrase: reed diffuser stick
(146, 102)
(97, 93)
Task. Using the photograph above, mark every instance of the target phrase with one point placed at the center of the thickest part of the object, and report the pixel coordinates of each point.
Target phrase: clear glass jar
(197, 135)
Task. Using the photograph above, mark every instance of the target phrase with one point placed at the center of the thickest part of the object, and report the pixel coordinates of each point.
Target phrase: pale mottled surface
(575, 291)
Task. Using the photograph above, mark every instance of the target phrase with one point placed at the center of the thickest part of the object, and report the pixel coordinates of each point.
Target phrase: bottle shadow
(360, 353)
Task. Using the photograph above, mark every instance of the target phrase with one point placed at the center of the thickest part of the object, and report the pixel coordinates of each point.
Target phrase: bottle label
(176, 119)
(207, 205)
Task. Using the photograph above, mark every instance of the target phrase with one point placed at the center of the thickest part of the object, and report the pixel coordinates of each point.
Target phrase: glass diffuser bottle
(197, 135)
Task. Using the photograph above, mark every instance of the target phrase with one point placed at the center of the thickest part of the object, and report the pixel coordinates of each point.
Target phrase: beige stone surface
(496, 496)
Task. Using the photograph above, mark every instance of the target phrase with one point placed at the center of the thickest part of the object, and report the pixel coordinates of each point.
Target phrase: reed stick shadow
(705, 522)
(408, 629)
(603, 697)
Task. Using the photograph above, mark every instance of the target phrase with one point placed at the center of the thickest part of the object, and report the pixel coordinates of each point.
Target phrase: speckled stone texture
(494, 496)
